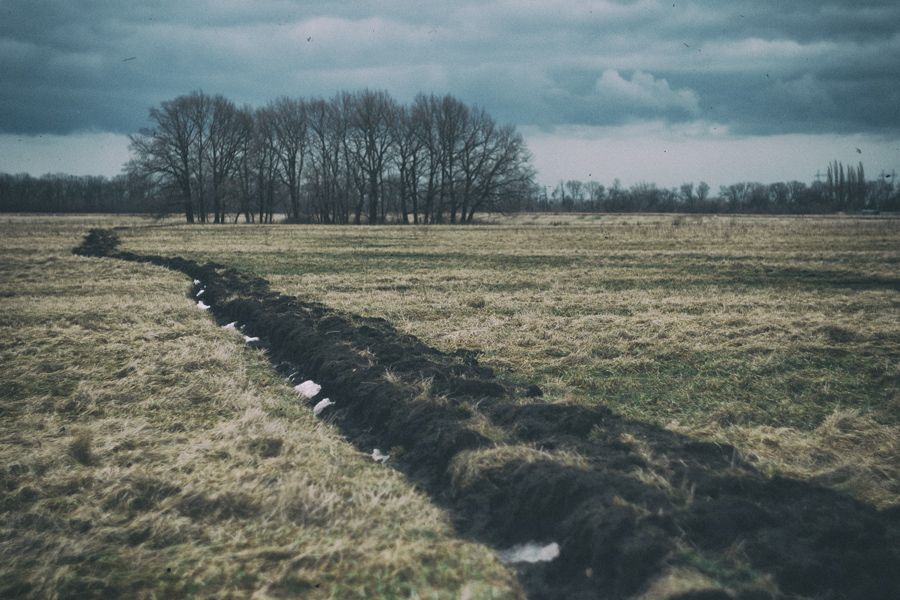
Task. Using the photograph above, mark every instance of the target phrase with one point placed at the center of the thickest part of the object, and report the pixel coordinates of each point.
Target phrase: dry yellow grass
(719, 326)
(145, 452)
(712, 325)
(778, 335)
(848, 451)
(469, 464)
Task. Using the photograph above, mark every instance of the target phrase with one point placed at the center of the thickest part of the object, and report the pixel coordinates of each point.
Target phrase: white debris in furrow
(308, 388)
(322, 405)
(379, 457)
(530, 553)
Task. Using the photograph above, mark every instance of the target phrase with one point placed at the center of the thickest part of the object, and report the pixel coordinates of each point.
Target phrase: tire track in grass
(581, 502)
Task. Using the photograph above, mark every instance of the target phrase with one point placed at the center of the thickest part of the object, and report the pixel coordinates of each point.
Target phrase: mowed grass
(778, 334)
(147, 453)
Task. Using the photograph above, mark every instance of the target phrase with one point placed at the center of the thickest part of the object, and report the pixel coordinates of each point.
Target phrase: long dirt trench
(624, 502)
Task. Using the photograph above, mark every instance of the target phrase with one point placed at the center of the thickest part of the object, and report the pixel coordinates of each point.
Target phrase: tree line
(842, 190)
(356, 158)
(131, 193)
(62, 193)
(362, 157)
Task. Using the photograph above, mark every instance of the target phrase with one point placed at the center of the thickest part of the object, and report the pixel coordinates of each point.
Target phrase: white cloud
(644, 91)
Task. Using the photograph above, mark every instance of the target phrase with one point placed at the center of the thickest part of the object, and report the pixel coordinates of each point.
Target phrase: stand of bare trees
(845, 190)
(359, 157)
(62, 193)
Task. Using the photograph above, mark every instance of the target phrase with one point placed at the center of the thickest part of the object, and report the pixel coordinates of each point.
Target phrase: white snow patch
(196, 282)
(530, 553)
(377, 456)
(308, 388)
(202, 306)
(323, 404)
(232, 325)
(249, 339)
(200, 293)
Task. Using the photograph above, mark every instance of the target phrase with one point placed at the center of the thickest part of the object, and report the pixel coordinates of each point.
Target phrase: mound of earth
(626, 501)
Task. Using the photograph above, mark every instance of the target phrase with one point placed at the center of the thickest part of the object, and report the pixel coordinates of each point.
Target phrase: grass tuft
(82, 447)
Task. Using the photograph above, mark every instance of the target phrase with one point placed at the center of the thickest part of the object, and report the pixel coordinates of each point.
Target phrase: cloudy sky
(667, 91)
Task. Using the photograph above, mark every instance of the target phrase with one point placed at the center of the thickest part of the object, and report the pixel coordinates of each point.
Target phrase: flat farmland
(777, 336)
(145, 452)
(772, 333)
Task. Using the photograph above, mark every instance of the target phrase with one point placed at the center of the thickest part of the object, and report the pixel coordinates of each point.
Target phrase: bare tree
(687, 194)
(779, 194)
(371, 120)
(199, 113)
(327, 177)
(193, 148)
(595, 192)
(576, 190)
(502, 168)
(289, 126)
(409, 143)
(250, 161)
(736, 195)
(229, 130)
(166, 152)
(702, 191)
(261, 167)
(861, 191)
(452, 120)
(424, 112)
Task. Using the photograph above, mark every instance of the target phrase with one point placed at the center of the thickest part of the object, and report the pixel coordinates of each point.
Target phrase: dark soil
(616, 531)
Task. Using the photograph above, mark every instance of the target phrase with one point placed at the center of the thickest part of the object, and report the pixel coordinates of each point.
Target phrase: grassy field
(781, 335)
(140, 436)
(147, 453)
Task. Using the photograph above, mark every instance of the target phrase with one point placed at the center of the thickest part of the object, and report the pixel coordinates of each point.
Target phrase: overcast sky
(658, 91)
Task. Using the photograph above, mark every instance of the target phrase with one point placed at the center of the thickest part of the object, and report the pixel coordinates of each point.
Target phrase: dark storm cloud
(808, 21)
(755, 66)
(62, 69)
